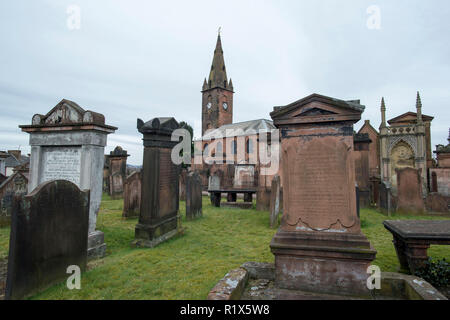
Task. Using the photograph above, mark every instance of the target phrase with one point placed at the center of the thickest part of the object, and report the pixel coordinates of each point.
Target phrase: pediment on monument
(408, 117)
(67, 112)
(317, 108)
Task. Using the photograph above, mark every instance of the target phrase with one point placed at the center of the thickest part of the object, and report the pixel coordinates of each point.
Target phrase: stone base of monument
(326, 263)
(239, 205)
(149, 236)
(255, 281)
(96, 245)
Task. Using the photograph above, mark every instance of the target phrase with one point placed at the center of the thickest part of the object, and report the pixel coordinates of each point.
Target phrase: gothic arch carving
(409, 140)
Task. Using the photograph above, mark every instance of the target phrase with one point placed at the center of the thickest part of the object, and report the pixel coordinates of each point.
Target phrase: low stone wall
(258, 279)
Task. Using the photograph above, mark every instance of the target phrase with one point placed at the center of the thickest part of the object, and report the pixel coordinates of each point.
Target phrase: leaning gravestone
(193, 196)
(319, 246)
(48, 234)
(68, 143)
(409, 191)
(158, 219)
(132, 195)
(275, 201)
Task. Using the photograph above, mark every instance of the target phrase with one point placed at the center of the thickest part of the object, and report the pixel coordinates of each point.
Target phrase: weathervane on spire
(220, 29)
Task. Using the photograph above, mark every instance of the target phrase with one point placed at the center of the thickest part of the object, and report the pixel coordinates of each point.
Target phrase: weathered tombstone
(244, 176)
(275, 201)
(182, 188)
(68, 143)
(48, 234)
(385, 198)
(263, 198)
(436, 202)
(193, 196)
(409, 191)
(15, 185)
(319, 246)
(214, 183)
(132, 189)
(158, 219)
(117, 160)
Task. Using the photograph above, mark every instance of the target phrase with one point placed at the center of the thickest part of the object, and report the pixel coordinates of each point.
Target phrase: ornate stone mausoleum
(405, 142)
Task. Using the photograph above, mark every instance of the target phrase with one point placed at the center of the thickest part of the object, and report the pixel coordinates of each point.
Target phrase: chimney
(16, 153)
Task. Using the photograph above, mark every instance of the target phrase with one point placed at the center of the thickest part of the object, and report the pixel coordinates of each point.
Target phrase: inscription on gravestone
(321, 167)
(62, 163)
(168, 175)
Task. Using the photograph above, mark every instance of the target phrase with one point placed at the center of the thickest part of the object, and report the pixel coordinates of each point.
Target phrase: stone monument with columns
(68, 144)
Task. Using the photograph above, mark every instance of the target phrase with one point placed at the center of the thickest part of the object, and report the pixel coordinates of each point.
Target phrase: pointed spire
(205, 85)
(383, 113)
(218, 73)
(230, 85)
(419, 108)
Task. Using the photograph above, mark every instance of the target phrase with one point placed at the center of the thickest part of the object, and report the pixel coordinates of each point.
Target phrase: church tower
(217, 94)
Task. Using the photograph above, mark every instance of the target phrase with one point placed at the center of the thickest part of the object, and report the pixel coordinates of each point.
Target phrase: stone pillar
(158, 219)
(319, 246)
(68, 144)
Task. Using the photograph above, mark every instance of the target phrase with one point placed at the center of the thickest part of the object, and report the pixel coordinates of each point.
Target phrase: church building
(231, 149)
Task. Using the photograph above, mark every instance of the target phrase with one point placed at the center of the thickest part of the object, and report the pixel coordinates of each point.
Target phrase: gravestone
(319, 246)
(385, 201)
(117, 160)
(193, 196)
(182, 188)
(158, 219)
(214, 183)
(48, 234)
(132, 195)
(244, 176)
(409, 191)
(436, 203)
(275, 197)
(263, 198)
(15, 185)
(68, 143)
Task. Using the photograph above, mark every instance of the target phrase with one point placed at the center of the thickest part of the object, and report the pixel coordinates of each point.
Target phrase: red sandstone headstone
(409, 191)
(132, 195)
(319, 246)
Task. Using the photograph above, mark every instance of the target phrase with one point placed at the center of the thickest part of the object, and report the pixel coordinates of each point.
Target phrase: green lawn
(188, 266)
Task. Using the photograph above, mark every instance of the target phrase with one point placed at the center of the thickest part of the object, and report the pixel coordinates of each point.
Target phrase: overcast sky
(143, 59)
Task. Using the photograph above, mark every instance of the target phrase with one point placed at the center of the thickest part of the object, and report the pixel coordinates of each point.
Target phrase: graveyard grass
(188, 266)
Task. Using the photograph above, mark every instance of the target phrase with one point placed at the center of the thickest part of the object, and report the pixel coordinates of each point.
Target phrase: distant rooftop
(240, 129)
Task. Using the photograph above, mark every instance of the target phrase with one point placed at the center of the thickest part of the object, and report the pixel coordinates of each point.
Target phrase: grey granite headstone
(48, 234)
(68, 143)
(193, 196)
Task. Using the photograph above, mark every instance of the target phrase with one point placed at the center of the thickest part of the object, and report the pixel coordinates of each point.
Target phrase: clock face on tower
(209, 105)
(225, 106)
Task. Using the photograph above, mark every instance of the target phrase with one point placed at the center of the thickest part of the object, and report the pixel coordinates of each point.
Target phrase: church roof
(245, 128)
(409, 117)
(368, 126)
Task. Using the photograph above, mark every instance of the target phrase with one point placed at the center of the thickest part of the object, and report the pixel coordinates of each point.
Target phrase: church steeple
(217, 93)
(218, 74)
